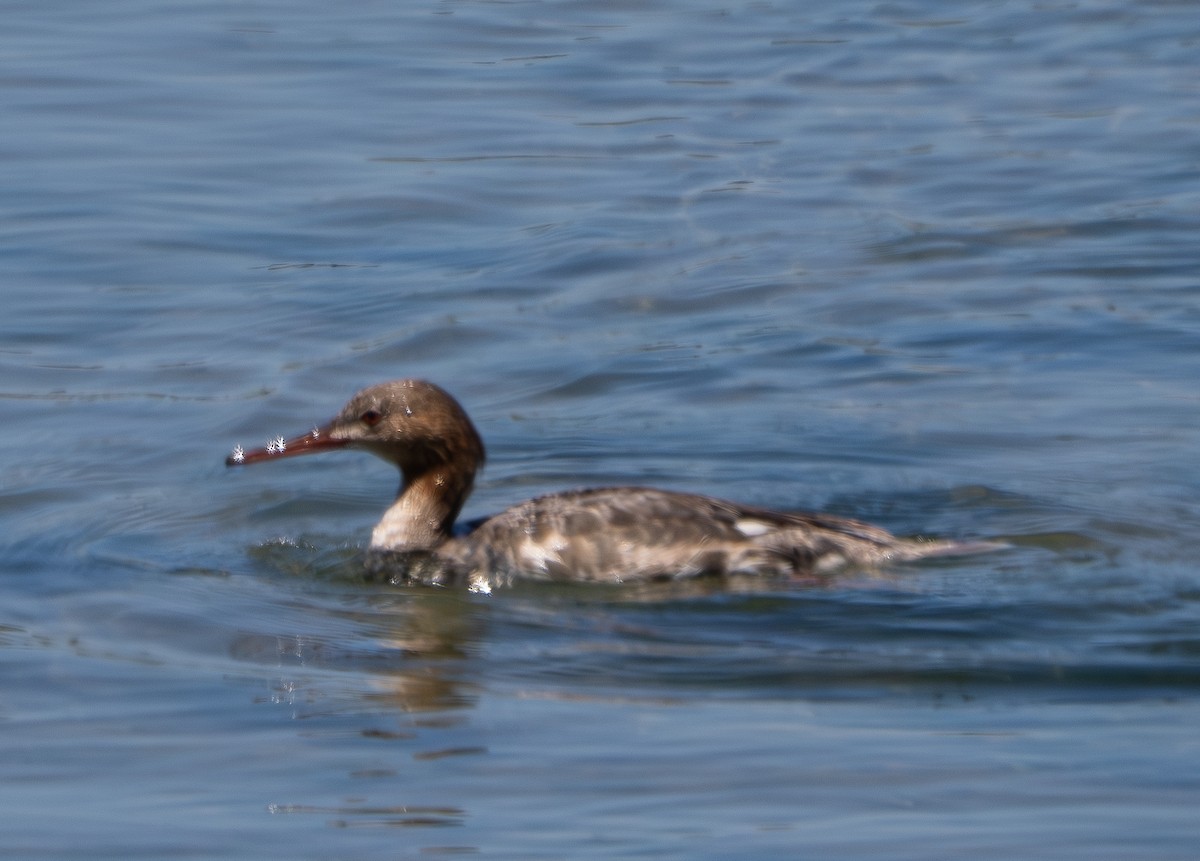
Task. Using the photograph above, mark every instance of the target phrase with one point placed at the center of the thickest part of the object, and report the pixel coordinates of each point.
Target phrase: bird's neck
(422, 517)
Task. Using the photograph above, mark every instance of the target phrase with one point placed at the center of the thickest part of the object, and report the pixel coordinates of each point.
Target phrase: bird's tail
(918, 548)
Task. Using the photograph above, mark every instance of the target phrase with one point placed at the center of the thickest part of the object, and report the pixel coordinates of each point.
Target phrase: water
(931, 267)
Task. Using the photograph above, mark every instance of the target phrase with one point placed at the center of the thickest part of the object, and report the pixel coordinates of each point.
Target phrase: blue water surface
(934, 267)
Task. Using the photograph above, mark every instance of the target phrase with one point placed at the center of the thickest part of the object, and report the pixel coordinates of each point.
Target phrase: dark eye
(371, 418)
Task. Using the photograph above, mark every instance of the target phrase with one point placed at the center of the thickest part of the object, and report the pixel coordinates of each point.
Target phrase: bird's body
(609, 535)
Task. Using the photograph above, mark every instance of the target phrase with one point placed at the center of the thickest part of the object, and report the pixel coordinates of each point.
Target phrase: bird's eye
(371, 418)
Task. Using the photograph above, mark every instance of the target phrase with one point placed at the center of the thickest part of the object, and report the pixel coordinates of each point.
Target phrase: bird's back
(634, 534)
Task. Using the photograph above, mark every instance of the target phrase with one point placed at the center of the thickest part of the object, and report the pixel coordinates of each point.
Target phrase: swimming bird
(613, 534)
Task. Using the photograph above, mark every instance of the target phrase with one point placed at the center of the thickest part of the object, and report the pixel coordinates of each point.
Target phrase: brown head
(411, 423)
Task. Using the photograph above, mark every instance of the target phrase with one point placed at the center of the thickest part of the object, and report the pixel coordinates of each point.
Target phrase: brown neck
(423, 514)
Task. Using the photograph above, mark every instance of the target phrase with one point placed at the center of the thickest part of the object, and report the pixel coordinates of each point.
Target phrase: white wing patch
(539, 556)
(752, 528)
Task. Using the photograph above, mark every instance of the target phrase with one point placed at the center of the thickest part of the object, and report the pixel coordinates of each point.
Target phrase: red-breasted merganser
(607, 535)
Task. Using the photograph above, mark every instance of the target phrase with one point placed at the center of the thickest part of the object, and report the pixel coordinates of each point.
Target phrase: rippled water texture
(929, 266)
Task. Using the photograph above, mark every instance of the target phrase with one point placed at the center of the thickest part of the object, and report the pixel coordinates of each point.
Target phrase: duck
(596, 535)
